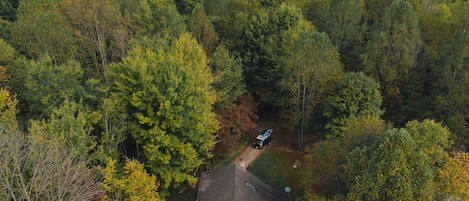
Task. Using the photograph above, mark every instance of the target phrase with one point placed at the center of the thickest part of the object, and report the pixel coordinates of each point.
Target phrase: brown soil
(281, 137)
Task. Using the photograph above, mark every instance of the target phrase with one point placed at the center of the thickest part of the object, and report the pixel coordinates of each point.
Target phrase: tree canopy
(169, 97)
(160, 90)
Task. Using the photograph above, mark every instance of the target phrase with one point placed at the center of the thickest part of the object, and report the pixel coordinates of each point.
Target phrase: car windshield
(257, 141)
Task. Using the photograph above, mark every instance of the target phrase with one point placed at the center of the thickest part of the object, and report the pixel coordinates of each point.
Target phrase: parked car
(263, 139)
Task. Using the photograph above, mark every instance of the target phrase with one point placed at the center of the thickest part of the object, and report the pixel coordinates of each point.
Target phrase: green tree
(324, 162)
(169, 98)
(392, 51)
(157, 18)
(42, 30)
(133, 184)
(228, 77)
(342, 21)
(202, 29)
(257, 35)
(185, 7)
(375, 10)
(314, 10)
(114, 128)
(8, 9)
(6, 61)
(311, 70)
(354, 95)
(44, 86)
(401, 164)
(102, 36)
(68, 126)
(432, 138)
(393, 168)
(451, 72)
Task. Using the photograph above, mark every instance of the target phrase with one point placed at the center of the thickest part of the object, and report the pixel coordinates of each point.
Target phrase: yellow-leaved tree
(133, 184)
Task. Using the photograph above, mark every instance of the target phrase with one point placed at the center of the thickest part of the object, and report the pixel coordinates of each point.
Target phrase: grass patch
(275, 167)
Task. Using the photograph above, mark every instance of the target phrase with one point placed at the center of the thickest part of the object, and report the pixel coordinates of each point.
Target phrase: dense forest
(126, 100)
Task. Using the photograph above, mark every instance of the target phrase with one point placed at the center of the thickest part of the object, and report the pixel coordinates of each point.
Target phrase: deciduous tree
(169, 98)
(455, 177)
(135, 184)
(202, 29)
(101, 32)
(323, 173)
(158, 18)
(342, 21)
(36, 168)
(42, 30)
(44, 86)
(8, 111)
(391, 169)
(228, 77)
(355, 95)
(392, 50)
(400, 164)
(68, 126)
(311, 70)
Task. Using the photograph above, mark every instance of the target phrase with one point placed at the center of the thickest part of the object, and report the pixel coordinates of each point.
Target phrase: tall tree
(355, 95)
(44, 86)
(451, 72)
(392, 51)
(455, 176)
(158, 18)
(169, 98)
(257, 36)
(314, 10)
(324, 162)
(391, 169)
(6, 62)
(42, 30)
(113, 126)
(185, 7)
(311, 70)
(202, 29)
(228, 77)
(401, 164)
(103, 38)
(342, 21)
